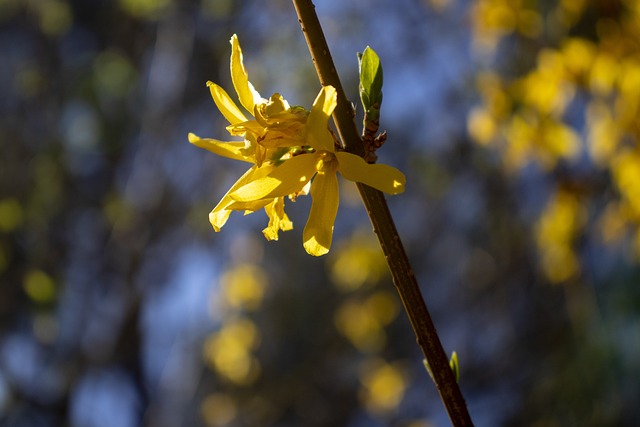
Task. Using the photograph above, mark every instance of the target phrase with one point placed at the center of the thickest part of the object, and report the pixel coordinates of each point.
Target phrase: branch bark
(383, 225)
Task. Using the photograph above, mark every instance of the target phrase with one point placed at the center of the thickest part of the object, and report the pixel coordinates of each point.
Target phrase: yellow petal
(242, 128)
(219, 215)
(278, 219)
(288, 178)
(318, 135)
(248, 207)
(218, 218)
(225, 104)
(249, 97)
(230, 149)
(318, 232)
(382, 177)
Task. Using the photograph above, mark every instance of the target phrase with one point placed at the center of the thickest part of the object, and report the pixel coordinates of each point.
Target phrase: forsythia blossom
(292, 152)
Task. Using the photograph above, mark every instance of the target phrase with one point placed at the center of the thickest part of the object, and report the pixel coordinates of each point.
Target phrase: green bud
(453, 362)
(425, 362)
(370, 82)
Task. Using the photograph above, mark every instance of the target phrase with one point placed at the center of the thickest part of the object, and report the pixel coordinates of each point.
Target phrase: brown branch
(383, 225)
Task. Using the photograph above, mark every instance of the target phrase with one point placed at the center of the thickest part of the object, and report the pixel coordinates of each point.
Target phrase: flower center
(327, 162)
(276, 105)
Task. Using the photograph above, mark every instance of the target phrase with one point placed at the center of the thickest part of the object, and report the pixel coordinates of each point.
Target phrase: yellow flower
(322, 164)
(287, 147)
(275, 125)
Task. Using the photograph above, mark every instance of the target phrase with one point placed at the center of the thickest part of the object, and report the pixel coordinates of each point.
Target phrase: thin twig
(383, 225)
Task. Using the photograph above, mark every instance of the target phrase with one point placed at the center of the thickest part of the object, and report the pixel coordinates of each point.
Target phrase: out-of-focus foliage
(560, 98)
(576, 106)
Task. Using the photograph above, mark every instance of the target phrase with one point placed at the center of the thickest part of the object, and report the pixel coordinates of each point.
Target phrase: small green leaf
(370, 81)
(425, 362)
(453, 362)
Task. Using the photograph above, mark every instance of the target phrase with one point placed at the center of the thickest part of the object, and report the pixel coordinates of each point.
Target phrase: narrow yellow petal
(219, 215)
(249, 97)
(225, 104)
(230, 149)
(249, 207)
(318, 232)
(318, 135)
(218, 218)
(271, 231)
(242, 128)
(278, 220)
(288, 178)
(382, 177)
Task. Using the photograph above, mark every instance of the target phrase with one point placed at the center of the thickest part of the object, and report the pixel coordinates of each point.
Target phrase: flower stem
(383, 225)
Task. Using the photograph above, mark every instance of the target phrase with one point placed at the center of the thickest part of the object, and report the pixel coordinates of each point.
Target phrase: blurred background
(516, 124)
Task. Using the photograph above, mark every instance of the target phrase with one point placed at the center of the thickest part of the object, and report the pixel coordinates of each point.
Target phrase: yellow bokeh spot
(11, 215)
(559, 140)
(218, 409)
(383, 306)
(560, 219)
(383, 386)
(362, 323)
(547, 141)
(604, 72)
(357, 263)
(481, 126)
(630, 78)
(485, 122)
(218, 9)
(39, 286)
(556, 231)
(574, 6)
(148, 9)
(546, 88)
(244, 286)
(55, 16)
(113, 74)
(603, 133)
(530, 23)
(628, 103)
(229, 351)
(559, 263)
(570, 11)
(578, 55)
(360, 327)
(626, 175)
(493, 19)
(497, 15)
